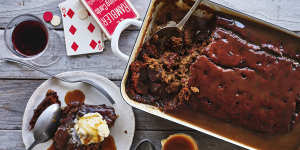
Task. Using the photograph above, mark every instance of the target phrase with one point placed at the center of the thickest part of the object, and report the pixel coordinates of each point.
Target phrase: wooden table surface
(18, 83)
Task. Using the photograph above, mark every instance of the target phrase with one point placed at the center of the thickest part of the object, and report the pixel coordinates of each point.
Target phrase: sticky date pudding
(82, 126)
(230, 68)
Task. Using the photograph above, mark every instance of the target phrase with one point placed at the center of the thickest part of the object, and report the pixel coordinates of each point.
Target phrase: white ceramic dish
(125, 121)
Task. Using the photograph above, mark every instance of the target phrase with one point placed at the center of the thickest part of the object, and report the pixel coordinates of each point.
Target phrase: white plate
(125, 121)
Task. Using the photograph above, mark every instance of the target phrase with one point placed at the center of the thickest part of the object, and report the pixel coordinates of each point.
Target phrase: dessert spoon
(89, 82)
(173, 30)
(46, 125)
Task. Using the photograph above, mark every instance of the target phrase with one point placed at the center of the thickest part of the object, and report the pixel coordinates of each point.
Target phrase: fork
(89, 82)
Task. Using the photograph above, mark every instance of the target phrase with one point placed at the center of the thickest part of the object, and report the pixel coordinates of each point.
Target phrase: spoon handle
(33, 145)
(181, 24)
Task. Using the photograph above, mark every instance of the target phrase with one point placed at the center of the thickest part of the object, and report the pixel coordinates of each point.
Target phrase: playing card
(109, 13)
(82, 35)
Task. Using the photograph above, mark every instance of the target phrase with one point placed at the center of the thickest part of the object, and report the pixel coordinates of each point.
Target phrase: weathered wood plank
(13, 98)
(105, 63)
(14, 95)
(12, 8)
(12, 140)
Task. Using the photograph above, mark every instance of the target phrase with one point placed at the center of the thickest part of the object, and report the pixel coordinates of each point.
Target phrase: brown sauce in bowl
(179, 142)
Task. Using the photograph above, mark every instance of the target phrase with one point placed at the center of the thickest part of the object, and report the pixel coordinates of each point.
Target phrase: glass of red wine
(28, 38)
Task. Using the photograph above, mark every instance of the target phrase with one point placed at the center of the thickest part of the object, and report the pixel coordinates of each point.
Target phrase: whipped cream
(91, 128)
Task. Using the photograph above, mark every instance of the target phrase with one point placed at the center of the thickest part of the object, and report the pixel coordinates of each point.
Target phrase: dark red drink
(30, 37)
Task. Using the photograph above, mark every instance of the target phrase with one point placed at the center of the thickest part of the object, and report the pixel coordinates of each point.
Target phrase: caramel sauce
(52, 147)
(108, 144)
(179, 142)
(75, 96)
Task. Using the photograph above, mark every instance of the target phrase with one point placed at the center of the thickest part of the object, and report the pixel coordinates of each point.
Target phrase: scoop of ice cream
(91, 128)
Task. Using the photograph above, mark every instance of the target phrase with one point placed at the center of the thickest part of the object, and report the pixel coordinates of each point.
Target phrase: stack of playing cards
(86, 22)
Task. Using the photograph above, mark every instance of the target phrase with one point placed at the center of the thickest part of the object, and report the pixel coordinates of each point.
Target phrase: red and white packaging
(82, 36)
(109, 13)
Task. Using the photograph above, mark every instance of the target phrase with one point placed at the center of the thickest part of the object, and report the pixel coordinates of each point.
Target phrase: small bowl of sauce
(179, 141)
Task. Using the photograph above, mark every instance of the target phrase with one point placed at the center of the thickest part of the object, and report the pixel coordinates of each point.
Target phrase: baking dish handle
(116, 36)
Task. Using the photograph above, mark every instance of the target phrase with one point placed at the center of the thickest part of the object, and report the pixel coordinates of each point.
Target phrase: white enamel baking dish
(217, 127)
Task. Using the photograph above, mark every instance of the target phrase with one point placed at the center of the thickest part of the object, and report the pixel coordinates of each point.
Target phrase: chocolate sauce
(30, 37)
(74, 97)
